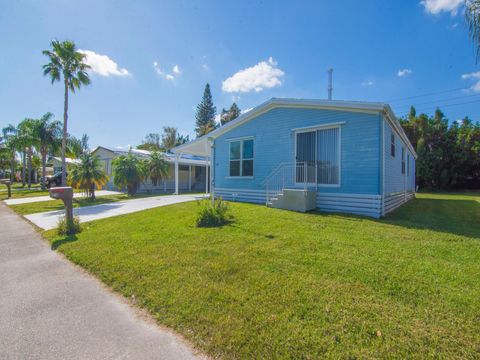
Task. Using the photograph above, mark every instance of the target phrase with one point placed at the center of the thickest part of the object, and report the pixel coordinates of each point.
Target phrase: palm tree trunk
(44, 170)
(64, 139)
(24, 167)
(12, 168)
(29, 166)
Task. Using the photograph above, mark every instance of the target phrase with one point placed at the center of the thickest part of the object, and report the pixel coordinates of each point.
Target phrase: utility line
(427, 94)
(444, 106)
(439, 101)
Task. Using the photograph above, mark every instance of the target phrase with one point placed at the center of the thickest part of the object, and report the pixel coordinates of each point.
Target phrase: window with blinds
(328, 156)
(320, 151)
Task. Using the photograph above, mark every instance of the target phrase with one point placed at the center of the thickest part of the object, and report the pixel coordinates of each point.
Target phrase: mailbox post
(9, 186)
(64, 193)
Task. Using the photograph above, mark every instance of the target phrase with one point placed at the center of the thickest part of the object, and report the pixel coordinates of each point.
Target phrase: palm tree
(157, 167)
(171, 138)
(88, 174)
(47, 134)
(10, 141)
(28, 142)
(67, 62)
(472, 14)
(129, 172)
(77, 147)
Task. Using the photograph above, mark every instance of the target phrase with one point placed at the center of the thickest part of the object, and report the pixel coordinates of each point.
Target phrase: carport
(203, 146)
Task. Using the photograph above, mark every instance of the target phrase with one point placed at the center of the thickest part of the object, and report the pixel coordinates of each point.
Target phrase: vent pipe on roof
(330, 87)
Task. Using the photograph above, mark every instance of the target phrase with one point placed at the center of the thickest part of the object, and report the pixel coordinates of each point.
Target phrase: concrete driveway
(34, 199)
(50, 309)
(49, 220)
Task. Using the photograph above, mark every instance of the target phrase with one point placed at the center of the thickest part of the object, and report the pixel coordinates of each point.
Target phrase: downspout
(383, 165)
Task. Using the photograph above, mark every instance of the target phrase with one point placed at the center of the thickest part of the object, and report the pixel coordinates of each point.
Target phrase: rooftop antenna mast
(330, 87)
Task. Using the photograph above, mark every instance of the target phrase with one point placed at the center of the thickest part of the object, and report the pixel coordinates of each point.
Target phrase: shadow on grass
(452, 216)
(65, 240)
(457, 217)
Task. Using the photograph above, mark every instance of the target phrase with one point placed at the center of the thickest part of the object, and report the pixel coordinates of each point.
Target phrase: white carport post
(206, 169)
(177, 158)
(190, 178)
(212, 167)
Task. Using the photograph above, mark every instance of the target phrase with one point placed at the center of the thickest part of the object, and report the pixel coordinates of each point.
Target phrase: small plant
(211, 215)
(69, 229)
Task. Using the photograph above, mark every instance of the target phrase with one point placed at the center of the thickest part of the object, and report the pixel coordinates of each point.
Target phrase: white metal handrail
(297, 175)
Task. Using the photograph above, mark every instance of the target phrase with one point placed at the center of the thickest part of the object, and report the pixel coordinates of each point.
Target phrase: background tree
(205, 115)
(77, 147)
(68, 63)
(472, 15)
(129, 172)
(29, 141)
(48, 134)
(157, 168)
(171, 138)
(4, 160)
(88, 174)
(10, 143)
(230, 114)
(151, 142)
(448, 154)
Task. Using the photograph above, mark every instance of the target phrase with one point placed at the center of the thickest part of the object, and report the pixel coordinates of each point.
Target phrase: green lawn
(18, 191)
(21, 192)
(279, 284)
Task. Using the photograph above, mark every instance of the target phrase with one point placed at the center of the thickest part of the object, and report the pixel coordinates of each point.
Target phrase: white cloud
(404, 72)
(205, 67)
(473, 76)
(264, 75)
(103, 65)
(166, 76)
(437, 6)
(367, 83)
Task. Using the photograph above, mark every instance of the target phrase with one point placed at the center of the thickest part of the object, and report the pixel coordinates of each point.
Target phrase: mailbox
(8, 183)
(65, 194)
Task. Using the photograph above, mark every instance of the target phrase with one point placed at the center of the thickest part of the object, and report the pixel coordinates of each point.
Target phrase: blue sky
(152, 59)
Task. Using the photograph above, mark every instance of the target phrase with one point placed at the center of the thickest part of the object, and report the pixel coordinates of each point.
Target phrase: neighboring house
(56, 163)
(192, 175)
(338, 156)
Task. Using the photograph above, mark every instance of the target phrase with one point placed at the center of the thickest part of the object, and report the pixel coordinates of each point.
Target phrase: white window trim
(319, 127)
(241, 140)
(394, 145)
(337, 125)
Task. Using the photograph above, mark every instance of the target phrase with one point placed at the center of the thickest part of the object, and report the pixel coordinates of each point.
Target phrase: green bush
(211, 215)
(64, 229)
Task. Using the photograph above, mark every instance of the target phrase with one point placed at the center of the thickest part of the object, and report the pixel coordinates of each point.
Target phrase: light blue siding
(274, 143)
(395, 181)
(399, 188)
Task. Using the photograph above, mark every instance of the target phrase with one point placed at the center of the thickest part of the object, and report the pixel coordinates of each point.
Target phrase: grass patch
(279, 284)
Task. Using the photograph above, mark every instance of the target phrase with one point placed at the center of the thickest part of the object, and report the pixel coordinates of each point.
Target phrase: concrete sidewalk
(50, 309)
(34, 199)
(49, 220)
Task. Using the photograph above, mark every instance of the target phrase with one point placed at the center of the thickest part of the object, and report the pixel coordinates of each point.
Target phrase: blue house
(337, 156)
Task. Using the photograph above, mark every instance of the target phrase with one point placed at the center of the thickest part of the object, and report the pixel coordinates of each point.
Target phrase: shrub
(65, 229)
(211, 215)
